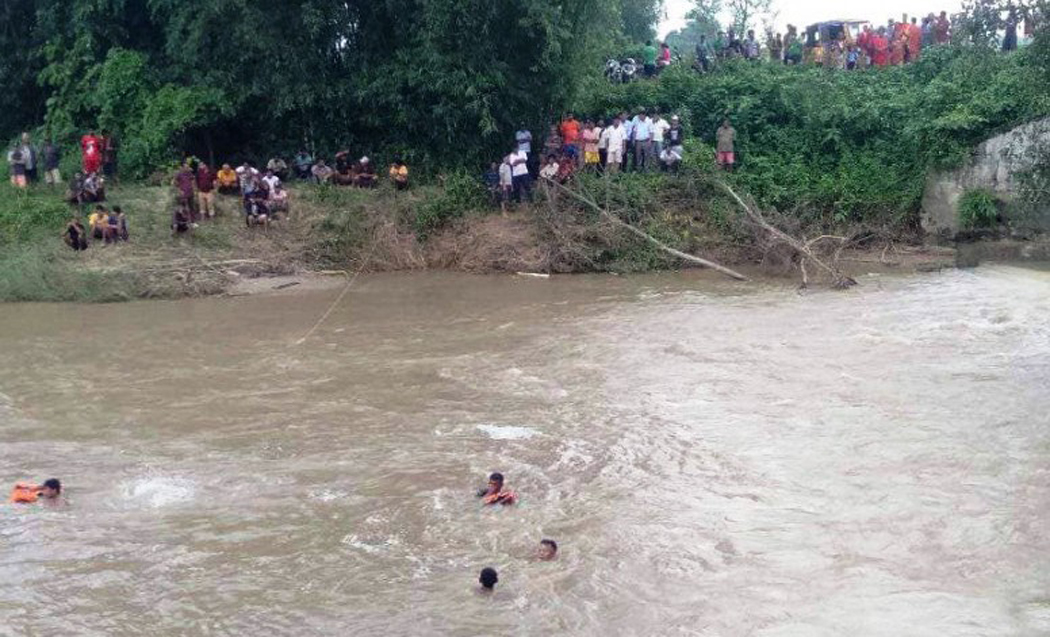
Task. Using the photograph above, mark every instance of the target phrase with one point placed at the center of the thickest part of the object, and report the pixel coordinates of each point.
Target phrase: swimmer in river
(548, 550)
(48, 494)
(495, 494)
(488, 580)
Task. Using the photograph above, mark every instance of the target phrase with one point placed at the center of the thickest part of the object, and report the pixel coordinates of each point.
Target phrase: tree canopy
(437, 81)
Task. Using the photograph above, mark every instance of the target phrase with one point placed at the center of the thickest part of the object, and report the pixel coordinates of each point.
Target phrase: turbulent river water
(712, 458)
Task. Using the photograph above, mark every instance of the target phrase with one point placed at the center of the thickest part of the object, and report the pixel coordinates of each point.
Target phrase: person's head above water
(495, 482)
(548, 550)
(488, 578)
(51, 489)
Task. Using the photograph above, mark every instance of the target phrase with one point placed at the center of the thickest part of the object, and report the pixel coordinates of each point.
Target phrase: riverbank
(337, 231)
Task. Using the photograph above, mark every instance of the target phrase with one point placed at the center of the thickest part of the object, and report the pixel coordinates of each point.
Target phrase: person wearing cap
(364, 174)
(494, 493)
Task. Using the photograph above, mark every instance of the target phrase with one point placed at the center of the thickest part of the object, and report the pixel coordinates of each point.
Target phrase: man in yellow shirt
(227, 180)
(399, 174)
(97, 222)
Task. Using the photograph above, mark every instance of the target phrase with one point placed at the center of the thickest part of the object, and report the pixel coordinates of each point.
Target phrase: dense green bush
(462, 193)
(978, 208)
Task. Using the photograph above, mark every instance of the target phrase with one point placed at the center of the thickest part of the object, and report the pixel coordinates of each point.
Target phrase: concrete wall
(992, 165)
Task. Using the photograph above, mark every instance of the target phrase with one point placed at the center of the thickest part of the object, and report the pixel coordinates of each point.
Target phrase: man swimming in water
(48, 494)
(495, 494)
(548, 550)
(488, 580)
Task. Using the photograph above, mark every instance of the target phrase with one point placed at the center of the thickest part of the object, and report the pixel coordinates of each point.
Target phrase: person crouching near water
(494, 493)
(488, 580)
(48, 494)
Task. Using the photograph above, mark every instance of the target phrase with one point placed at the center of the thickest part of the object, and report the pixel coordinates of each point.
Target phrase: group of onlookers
(26, 162)
(106, 225)
(833, 45)
(646, 142)
(262, 194)
(344, 171)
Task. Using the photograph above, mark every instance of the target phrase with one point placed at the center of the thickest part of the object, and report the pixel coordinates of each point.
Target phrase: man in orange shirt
(570, 134)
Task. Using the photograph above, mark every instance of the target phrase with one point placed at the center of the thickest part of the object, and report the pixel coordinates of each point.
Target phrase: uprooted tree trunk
(707, 263)
(803, 248)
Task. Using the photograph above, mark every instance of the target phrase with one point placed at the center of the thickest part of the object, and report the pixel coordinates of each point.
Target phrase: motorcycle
(619, 72)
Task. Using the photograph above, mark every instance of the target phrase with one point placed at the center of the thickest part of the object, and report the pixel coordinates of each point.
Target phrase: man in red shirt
(205, 191)
(570, 134)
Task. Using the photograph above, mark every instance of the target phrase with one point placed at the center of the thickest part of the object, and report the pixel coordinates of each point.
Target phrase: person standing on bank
(29, 157)
(52, 157)
(726, 139)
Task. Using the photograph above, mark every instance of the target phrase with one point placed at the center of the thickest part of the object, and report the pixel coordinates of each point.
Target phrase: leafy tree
(744, 12)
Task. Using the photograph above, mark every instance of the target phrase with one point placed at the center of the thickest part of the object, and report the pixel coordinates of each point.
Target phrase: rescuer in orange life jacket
(47, 494)
(495, 494)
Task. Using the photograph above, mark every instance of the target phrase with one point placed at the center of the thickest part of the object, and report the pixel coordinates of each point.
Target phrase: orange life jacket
(502, 497)
(24, 493)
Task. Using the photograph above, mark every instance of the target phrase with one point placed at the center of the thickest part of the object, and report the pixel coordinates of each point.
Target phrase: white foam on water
(507, 432)
(157, 491)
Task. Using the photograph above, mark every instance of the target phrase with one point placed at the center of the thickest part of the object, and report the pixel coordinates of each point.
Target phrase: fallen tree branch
(839, 280)
(659, 244)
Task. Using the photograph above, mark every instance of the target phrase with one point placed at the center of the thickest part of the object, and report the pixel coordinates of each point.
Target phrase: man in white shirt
(519, 171)
(660, 126)
(615, 140)
(643, 141)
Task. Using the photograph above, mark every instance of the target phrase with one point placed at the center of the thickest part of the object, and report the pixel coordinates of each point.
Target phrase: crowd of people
(840, 45)
(645, 142)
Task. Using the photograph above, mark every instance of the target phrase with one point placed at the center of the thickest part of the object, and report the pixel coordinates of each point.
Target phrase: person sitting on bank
(75, 193)
(47, 494)
(122, 229)
(364, 173)
(322, 173)
(488, 580)
(94, 188)
(343, 163)
(399, 174)
(303, 163)
(116, 226)
(181, 221)
(278, 167)
(548, 550)
(549, 169)
(278, 201)
(226, 178)
(494, 493)
(74, 235)
(98, 222)
(256, 210)
(566, 169)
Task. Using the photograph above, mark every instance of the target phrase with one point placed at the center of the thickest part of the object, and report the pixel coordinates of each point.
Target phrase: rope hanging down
(338, 299)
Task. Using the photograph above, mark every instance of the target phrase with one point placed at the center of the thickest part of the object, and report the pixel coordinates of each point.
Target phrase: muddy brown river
(713, 459)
